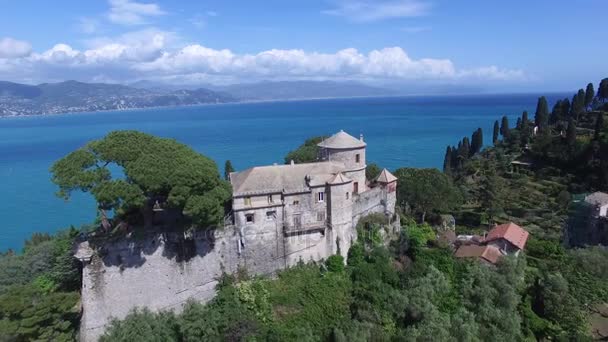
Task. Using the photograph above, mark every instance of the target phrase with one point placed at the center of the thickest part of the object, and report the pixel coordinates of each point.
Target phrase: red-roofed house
(489, 254)
(509, 238)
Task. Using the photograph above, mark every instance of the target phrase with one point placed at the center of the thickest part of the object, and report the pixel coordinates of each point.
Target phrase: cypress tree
(556, 112)
(581, 99)
(525, 133)
(542, 113)
(504, 127)
(466, 147)
(454, 155)
(565, 108)
(476, 141)
(447, 161)
(495, 133)
(589, 95)
(227, 169)
(524, 116)
(602, 90)
(518, 123)
(578, 104)
(571, 133)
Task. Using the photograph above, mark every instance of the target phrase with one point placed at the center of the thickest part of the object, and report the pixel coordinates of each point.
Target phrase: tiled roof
(490, 254)
(341, 140)
(289, 178)
(339, 178)
(510, 232)
(385, 177)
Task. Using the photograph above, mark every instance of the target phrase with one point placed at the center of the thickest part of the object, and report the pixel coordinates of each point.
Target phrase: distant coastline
(286, 100)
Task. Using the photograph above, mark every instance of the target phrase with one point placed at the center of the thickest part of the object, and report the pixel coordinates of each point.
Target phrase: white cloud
(370, 10)
(152, 54)
(128, 12)
(13, 48)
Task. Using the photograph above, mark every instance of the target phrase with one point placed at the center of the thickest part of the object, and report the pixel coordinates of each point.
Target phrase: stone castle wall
(164, 271)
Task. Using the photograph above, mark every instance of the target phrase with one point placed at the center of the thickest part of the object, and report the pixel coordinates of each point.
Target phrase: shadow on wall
(132, 252)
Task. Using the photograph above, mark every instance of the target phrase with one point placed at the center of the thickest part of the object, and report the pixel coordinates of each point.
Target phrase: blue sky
(491, 46)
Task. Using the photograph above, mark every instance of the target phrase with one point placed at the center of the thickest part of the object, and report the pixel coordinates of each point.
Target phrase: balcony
(307, 228)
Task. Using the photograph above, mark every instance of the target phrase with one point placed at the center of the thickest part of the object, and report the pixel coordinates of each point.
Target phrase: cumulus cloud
(152, 54)
(13, 48)
(128, 12)
(369, 10)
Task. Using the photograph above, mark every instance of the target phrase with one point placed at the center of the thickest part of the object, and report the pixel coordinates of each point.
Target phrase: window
(270, 200)
(247, 200)
(357, 158)
(249, 218)
(355, 188)
(297, 221)
(320, 216)
(271, 215)
(320, 196)
(296, 202)
(347, 195)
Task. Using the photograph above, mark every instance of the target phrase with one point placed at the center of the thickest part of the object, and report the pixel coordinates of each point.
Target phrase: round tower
(344, 148)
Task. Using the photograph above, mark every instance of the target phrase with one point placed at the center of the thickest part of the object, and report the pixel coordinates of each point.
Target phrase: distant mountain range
(73, 96)
(291, 90)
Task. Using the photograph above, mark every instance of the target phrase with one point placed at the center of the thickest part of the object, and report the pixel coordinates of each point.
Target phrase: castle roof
(490, 253)
(339, 178)
(289, 178)
(341, 140)
(511, 232)
(597, 198)
(385, 177)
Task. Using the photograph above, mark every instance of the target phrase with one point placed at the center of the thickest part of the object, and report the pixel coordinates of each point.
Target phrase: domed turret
(343, 147)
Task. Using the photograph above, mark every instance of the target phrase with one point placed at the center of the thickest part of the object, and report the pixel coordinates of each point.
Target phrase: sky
(477, 45)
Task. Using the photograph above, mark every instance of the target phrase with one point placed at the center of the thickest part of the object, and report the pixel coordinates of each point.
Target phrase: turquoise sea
(399, 131)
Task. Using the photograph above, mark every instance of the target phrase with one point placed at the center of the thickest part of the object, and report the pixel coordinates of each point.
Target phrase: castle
(281, 215)
(326, 198)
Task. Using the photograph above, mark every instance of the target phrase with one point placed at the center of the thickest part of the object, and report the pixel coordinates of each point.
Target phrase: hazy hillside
(72, 96)
(285, 90)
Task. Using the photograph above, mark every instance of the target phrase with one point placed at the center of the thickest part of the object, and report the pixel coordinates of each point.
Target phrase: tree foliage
(495, 132)
(541, 116)
(372, 171)
(228, 168)
(308, 152)
(426, 190)
(151, 170)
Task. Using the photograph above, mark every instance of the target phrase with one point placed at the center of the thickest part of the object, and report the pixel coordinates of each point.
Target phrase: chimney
(292, 162)
(361, 136)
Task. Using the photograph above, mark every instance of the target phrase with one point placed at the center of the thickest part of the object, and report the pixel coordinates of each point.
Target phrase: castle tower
(388, 183)
(340, 214)
(342, 147)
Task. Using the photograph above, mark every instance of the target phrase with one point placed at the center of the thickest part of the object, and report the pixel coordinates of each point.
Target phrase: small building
(504, 239)
(509, 238)
(599, 202)
(488, 254)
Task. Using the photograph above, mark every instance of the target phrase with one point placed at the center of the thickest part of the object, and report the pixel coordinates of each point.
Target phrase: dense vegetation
(39, 290)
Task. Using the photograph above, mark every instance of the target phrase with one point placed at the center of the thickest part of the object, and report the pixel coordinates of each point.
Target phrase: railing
(303, 228)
